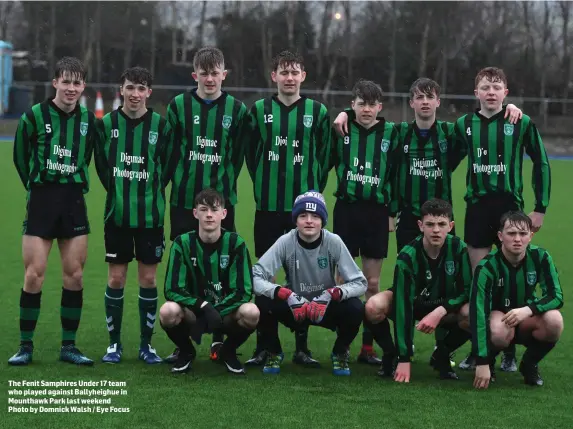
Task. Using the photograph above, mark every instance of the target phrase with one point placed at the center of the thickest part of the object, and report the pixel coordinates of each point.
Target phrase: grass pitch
(297, 398)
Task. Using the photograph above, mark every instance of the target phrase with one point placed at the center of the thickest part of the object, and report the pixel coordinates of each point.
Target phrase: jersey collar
(378, 126)
(509, 264)
(301, 100)
(312, 245)
(135, 122)
(215, 102)
(53, 105)
(495, 117)
(431, 131)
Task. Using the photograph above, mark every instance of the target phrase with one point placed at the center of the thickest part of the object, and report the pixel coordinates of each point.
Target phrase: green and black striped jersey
(208, 147)
(219, 273)
(426, 164)
(498, 285)
(366, 162)
(52, 146)
(131, 158)
(495, 157)
(288, 151)
(423, 283)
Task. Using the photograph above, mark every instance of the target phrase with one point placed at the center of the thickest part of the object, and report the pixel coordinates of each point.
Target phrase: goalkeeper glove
(297, 304)
(317, 308)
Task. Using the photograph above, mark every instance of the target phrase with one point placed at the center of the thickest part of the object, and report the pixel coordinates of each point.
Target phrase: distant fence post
(47, 86)
(544, 113)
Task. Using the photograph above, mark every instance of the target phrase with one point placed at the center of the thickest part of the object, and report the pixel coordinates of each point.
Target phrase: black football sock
(455, 338)
(536, 351)
(301, 339)
(382, 336)
(179, 334)
(236, 336)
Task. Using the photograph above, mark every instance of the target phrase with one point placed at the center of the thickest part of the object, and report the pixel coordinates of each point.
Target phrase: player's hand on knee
(212, 316)
(317, 308)
(402, 373)
(515, 316)
(341, 124)
(482, 377)
(431, 321)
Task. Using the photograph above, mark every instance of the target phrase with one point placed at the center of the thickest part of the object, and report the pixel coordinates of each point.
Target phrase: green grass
(297, 398)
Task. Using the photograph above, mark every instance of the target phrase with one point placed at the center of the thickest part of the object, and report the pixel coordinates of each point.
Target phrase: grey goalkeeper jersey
(309, 271)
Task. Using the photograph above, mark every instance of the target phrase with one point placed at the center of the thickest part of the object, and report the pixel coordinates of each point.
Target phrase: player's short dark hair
(70, 65)
(208, 58)
(426, 86)
(367, 90)
(493, 74)
(515, 218)
(437, 207)
(210, 197)
(287, 58)
(137, 75)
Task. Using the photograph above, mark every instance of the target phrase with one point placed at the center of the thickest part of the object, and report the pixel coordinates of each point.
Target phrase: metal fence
(553, 116)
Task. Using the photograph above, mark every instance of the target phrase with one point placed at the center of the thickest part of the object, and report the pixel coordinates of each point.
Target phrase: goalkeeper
(309, 255)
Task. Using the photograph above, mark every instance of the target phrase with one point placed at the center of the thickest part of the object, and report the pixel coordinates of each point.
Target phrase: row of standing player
(288, 72)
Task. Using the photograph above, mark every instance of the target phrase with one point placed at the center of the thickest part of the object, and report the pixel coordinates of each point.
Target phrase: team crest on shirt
(307, 121)
(508, 129)
(531, 278)
(227, 121)
(83, 128)
(385, 145)
(443, 145)
(153, 137)
(224, 261)
(158, 251)
(322, 262)
(450, 267)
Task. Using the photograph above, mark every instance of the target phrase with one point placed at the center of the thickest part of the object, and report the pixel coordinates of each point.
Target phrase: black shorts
(120, 242)
(56, 211)
(182, 220)
(269, 227)
(407, 229)
(482, 219)
(363, 227)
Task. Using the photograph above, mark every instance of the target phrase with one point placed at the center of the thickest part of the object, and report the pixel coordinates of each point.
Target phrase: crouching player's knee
(248, 316)
(378, 307)
(553, 321)
(170, 314)
(500, 335)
